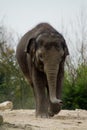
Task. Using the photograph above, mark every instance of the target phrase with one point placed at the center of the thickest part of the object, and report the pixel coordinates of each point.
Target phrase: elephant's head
(47, 51)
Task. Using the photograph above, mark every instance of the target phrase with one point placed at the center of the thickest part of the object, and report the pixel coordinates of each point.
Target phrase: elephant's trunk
(51, 72)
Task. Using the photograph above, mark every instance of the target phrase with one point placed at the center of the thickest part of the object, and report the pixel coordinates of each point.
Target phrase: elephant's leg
(53, 109)
(40, 95)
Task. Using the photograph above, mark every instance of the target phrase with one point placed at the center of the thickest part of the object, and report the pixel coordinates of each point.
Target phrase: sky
(22, 15)
(19, 16)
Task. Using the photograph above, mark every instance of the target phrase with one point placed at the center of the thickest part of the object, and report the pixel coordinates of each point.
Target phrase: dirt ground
(25, 120)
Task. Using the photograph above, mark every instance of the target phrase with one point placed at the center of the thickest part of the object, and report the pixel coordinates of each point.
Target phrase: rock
(6, 105)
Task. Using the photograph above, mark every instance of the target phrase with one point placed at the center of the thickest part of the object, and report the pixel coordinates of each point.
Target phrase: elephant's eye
(41, 57)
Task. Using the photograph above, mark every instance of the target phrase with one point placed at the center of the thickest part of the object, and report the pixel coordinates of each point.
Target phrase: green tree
(75, 93)
(75, 83)
(12, 82)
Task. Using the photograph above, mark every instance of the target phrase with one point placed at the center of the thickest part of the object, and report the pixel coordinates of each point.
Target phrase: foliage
(75, 81)
(75, 91)
(12, 83)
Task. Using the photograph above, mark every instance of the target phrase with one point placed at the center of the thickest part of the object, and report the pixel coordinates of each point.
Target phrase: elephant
(41, 55)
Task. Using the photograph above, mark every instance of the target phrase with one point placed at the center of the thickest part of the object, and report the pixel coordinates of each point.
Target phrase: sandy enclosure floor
(25, 120)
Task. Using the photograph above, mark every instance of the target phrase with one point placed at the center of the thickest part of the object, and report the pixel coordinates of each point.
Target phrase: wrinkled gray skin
(41, 54)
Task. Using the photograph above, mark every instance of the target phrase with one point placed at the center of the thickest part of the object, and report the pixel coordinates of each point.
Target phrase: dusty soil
(25, 120)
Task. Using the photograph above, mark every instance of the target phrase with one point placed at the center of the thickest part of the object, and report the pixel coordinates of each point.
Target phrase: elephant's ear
(31, 46)
(66, 51)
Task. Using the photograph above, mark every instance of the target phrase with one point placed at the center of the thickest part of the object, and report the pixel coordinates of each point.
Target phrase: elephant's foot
(54, 109)
(42, 115)
(51, 114)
